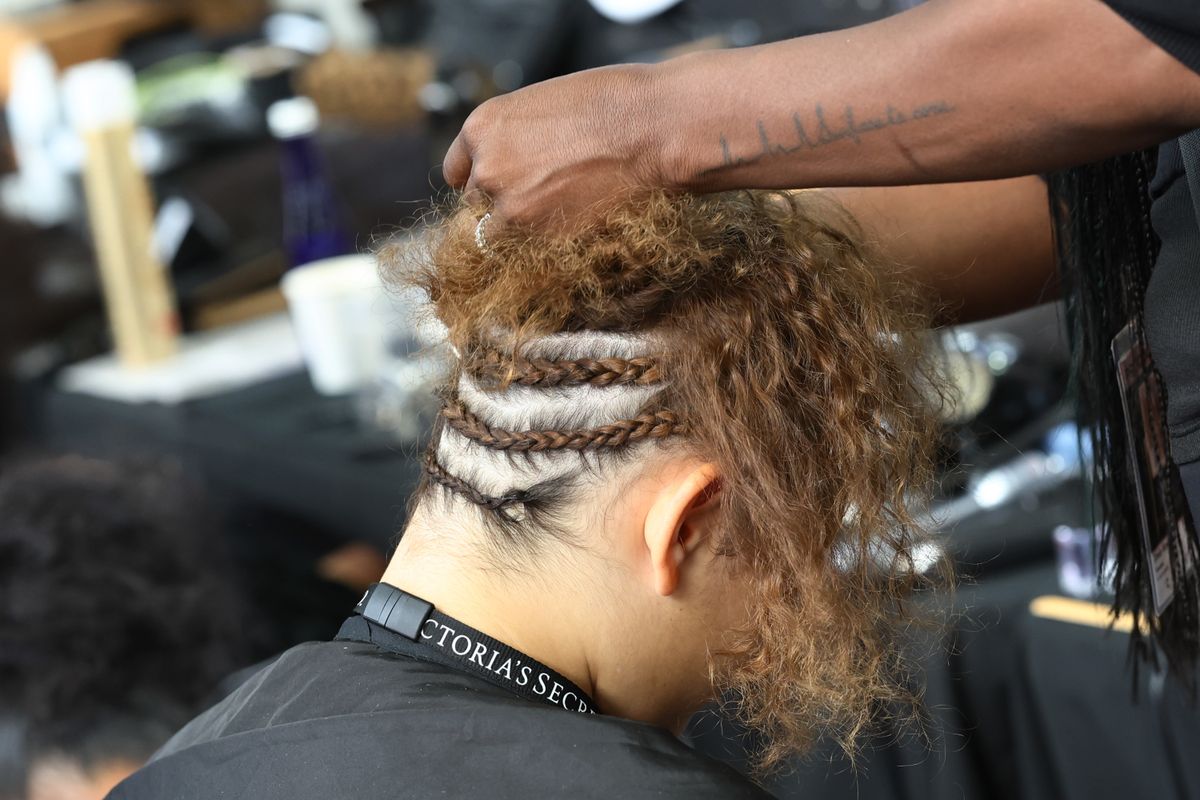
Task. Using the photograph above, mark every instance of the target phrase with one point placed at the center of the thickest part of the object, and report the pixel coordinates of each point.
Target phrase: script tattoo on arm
(819, 130)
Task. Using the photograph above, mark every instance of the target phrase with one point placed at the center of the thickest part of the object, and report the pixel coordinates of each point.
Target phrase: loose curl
(796, 361)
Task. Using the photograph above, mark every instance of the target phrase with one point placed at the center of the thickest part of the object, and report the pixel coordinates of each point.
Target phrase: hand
(554, 152)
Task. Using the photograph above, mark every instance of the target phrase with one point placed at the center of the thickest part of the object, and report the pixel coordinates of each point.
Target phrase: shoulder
(342, 720)
(455, 754)
(626, 758)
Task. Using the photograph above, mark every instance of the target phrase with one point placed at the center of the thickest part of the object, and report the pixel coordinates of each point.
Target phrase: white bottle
(41, 191)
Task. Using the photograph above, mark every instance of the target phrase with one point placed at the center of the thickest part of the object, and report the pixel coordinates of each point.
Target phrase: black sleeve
(1174, 25)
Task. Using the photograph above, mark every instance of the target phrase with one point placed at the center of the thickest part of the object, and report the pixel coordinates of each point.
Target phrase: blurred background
(210, 407)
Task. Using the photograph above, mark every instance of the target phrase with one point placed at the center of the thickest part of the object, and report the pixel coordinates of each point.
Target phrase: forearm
(952, 90)
(980, 250)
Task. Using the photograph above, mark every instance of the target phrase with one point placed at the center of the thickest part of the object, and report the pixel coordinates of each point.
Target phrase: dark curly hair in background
(116, 617)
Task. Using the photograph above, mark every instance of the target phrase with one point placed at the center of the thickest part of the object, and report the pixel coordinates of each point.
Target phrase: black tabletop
(278, 444)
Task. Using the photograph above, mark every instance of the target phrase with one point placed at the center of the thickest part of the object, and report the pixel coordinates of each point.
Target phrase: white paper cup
(342, 317)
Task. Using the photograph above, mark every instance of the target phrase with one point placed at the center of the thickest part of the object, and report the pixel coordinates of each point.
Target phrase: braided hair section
(585, 393)
(650, 425)
(511, 504)
(493, 368)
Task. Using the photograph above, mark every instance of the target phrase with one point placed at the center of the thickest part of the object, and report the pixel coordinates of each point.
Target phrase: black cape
(349, 719)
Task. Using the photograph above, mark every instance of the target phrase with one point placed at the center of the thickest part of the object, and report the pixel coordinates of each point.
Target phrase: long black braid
(1107, 251)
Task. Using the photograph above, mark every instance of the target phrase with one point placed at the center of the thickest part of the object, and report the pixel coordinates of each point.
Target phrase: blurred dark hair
(117, 619)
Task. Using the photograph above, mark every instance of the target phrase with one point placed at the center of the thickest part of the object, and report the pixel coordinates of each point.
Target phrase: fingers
(456, 168)
(476, 195)
(493, 220)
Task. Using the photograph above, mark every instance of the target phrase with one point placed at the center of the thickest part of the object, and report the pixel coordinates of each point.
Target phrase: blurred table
(277, 445)
(290, 476)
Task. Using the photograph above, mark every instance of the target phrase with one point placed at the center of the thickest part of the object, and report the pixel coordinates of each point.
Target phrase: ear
(679, 521)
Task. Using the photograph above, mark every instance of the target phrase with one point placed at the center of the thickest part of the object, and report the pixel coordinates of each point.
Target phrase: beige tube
(137, 290)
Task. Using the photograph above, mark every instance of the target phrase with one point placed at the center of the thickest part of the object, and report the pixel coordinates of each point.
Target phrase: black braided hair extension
(1106, 251)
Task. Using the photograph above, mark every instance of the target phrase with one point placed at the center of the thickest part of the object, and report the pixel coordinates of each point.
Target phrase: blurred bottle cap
(629, 12)
(292, 118)
(100, 94)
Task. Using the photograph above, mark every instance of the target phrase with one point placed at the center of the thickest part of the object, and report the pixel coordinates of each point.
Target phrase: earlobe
(676, 523)
(666, 570)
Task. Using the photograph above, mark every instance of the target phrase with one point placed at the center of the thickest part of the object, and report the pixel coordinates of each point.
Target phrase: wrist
(697, 95)
(673, 114)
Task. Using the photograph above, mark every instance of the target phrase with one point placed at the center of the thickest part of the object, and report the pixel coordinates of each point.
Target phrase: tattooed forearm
(820, 129)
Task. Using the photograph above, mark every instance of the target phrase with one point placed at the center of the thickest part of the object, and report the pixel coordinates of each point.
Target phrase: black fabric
(348, 719)
(1189, 474)
(1174, 25)
(1173, 301)
(1172, 312)
(1057, 720)
(1021, 708)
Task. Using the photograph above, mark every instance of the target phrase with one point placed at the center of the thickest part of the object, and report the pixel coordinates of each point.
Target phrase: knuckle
(479, 120)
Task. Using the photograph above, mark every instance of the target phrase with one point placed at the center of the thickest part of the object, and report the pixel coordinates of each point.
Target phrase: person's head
(695, 428)
(116, 621)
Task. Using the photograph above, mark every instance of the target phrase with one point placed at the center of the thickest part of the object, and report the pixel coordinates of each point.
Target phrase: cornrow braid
(500, 369)
(438, 474)
(648, 425)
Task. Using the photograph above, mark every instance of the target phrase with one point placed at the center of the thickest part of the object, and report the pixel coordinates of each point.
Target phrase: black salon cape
(347, 719)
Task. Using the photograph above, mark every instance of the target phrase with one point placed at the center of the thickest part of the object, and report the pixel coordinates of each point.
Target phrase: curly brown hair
(788, 357)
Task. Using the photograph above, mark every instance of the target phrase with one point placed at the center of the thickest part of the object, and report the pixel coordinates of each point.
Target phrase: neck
(526, 613)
